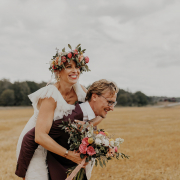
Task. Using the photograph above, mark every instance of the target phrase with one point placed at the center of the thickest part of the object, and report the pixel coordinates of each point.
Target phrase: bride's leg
(37, 169)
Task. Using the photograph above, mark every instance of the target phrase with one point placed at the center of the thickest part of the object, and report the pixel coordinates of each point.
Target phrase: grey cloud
(165, 64)
(125, 41)
(125, 10)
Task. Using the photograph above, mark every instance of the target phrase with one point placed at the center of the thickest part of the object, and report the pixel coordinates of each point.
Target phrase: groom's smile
(104, 103)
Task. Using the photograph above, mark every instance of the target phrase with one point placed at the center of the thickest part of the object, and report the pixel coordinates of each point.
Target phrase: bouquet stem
(76, 170)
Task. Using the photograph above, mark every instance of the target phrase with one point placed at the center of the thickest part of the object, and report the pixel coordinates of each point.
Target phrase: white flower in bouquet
(98, 141)
(119, 140)
(100, 136)
(111, 143)
(97, 151)
(90, 131)
(105, 142)
(74, 125)
(116, 143)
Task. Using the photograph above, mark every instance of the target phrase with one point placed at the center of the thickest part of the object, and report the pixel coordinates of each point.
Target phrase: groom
(100, 98)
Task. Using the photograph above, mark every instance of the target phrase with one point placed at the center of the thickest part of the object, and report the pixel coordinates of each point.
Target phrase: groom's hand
(79, 124)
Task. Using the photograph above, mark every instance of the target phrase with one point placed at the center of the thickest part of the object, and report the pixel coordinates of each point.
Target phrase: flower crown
(57, 62)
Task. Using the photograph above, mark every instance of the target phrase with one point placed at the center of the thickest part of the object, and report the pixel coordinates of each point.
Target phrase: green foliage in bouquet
(92, 144)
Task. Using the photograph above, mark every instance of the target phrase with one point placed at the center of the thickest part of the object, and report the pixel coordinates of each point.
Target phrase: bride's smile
(71, 73)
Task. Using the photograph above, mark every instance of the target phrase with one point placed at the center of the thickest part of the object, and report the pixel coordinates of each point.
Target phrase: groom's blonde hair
(100, 87)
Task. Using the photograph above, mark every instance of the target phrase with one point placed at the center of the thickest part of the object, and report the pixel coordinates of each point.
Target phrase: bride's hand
(75, 157)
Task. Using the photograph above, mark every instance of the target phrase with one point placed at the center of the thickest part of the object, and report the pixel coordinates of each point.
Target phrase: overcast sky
(135, 43)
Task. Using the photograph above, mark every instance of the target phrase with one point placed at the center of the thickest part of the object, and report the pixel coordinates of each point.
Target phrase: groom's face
(102, 102)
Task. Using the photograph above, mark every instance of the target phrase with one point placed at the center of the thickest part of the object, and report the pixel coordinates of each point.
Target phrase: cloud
(135, 43)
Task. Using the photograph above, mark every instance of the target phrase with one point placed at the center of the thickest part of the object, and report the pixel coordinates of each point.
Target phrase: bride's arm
(40, 135)
(43, 126)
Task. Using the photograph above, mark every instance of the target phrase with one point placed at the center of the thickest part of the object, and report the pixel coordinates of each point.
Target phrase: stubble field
(152, 139)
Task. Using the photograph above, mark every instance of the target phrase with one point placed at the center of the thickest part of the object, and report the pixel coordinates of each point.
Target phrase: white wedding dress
(37, 169)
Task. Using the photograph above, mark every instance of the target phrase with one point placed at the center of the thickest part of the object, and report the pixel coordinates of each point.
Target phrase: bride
(51, 103)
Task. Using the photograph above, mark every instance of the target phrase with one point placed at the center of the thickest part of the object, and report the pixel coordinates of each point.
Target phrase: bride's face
(71, 73)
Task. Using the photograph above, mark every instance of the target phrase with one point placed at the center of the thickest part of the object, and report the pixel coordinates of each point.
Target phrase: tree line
(16, 94)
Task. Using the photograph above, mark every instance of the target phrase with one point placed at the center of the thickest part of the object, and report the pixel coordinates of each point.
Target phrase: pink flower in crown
(86, 59)
(83, 148)
(69, 55)
(75, 52)
(102, 133)
(85, 141)
(91, 151)
(63, 59)
(116, 149)
(54, 67)
(80, 57)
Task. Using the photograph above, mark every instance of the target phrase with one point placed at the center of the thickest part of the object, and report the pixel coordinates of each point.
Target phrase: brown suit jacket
(57, 165)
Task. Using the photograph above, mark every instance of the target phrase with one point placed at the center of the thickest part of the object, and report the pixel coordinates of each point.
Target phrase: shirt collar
(89, 110)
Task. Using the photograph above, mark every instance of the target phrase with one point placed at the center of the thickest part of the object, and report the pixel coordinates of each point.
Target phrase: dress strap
(80, 92)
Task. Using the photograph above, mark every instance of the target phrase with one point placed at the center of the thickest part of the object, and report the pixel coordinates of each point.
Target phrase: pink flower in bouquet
(63, 59)
(116, 149)
(83, 148)
(111, 152)
(86, 59)
(69, 55)
(102, 133)
(85, 141)
(91, 151)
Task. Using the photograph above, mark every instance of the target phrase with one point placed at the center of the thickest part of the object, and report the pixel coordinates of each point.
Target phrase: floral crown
(57, 62)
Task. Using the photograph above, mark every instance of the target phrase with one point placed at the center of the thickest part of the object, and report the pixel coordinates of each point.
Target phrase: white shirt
(88, 113)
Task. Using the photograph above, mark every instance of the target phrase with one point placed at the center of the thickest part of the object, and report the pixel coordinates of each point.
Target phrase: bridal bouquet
(92, 144)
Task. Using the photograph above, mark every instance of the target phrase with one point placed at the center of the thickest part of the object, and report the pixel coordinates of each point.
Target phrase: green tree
(124, 99)
(42, 84)
(33, 86)
(5, 84)
(142, 99)
(21, 91)
(7, 97)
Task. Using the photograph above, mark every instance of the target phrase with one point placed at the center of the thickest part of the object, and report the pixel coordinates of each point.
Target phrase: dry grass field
(152, 139)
